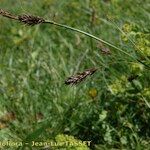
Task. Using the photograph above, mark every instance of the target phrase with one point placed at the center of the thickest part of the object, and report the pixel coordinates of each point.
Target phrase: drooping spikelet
(79, 77)
(7, 14)
(104, 50)
(26, 19)
(30, 20)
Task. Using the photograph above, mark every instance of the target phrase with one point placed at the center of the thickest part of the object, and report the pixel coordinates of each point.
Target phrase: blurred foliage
(110, 109)
(71, 143)
(141, 38)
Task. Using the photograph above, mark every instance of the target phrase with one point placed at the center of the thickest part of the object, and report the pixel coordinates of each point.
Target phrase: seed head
(79, 77)
(30, 20)
(7, 14)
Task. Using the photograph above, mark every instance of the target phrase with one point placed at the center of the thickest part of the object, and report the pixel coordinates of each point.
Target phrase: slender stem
(96, 38)
(89, 35)
(9, 15)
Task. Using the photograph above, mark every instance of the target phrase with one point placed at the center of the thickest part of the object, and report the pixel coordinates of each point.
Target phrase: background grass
(108, 109)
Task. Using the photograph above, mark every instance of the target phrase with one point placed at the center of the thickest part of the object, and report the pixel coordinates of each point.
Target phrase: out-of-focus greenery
(111, 108)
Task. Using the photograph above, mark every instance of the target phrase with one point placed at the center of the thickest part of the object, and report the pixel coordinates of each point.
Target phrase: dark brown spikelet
(79, 77)
(30, 20)
(8, 117)
(7, 14)
(132, 77)
(104, 50)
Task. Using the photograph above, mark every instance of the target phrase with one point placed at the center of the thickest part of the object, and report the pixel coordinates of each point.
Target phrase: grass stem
(96, 38)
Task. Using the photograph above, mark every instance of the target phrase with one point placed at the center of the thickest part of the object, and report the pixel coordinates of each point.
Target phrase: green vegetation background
(111, 108)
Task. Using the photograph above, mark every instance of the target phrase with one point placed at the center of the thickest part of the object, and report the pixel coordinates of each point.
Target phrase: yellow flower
(146, 92)
(118, 86)
(127, 28)
(93, 93)
(137, 68)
